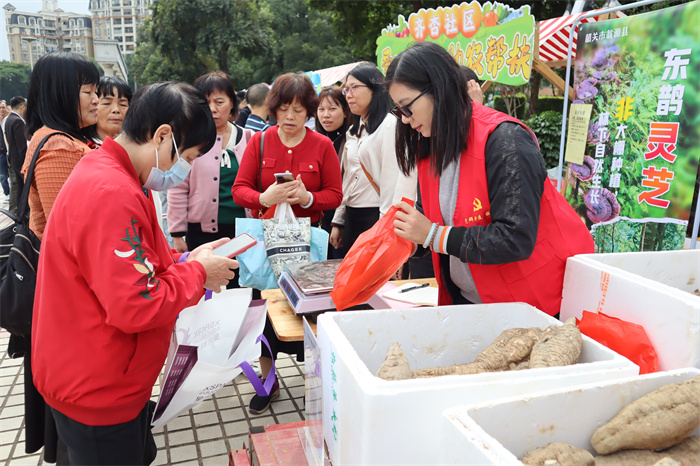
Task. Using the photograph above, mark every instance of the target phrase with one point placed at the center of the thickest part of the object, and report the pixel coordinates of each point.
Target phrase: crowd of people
(110, 286)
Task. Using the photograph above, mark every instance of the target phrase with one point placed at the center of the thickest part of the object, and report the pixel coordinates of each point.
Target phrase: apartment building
(118, 20)
(32, 35)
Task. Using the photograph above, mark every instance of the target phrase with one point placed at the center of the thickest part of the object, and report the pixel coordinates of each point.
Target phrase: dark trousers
(128, 443)
(16, 186)
(357, 221)
(4, 174)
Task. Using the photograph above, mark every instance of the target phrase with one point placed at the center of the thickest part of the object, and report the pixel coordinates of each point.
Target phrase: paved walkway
(203, 436)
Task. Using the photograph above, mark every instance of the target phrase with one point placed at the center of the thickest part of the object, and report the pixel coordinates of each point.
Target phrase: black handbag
(19, 259)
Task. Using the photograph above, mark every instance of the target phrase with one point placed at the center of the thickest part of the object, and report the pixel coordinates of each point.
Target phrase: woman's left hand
(411, 224)
(300, 195)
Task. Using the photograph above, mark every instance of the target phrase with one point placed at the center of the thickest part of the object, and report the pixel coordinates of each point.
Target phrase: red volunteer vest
(537, 280)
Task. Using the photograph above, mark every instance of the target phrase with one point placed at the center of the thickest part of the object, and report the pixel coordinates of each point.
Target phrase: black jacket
(15, 132)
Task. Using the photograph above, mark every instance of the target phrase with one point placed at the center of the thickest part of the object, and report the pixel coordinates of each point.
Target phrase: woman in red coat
(311, 159)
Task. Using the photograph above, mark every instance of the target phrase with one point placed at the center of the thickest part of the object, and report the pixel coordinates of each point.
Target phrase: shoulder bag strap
(369, 177)
(239, 133)
(23, 202)
(262, 145)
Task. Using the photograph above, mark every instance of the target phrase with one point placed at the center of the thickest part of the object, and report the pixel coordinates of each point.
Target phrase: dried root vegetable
(658, 420)
(686, 453)
(667, 462)
(512, 346)
(395, 366)
(558, 346)
(563, 453)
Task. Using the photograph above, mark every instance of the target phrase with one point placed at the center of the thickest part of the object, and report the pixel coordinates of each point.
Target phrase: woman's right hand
(219, 269)
(336, 238)
(179, 244)
(276, 192)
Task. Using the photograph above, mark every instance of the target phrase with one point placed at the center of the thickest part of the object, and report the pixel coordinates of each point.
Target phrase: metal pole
(568, 71)
(696, 225)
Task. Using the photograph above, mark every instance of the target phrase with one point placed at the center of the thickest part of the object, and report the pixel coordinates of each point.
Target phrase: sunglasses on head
(405, 110)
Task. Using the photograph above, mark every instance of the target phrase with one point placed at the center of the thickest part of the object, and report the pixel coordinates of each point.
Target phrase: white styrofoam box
(651, 289)
(367, 420)
(500, 432)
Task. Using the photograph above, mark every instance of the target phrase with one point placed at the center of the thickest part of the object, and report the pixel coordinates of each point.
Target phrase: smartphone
(237, 245)
(284, 177)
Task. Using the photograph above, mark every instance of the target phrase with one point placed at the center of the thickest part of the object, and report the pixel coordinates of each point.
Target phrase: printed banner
(641, 73)
(494, 40)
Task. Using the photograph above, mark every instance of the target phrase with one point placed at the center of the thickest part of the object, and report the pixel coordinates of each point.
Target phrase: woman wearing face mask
(114, 95)
(109, 287)
(202, 208)
(310, 158)
(372, 181)
(332, 120)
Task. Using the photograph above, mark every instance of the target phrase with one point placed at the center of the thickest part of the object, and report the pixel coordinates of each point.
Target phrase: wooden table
(289, 326)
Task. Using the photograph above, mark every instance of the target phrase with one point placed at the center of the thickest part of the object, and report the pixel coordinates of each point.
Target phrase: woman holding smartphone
(289, 147)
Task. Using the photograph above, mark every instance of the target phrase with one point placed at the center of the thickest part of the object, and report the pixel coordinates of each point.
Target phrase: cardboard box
(367, 420)
(652, 289)
(500, 432)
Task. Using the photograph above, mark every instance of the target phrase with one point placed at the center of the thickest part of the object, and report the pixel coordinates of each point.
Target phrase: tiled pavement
(203, 436)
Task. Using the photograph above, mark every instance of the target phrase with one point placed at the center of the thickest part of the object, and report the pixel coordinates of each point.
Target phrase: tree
(303, 40)
(14, 79)
(359, 23)
(184, 40)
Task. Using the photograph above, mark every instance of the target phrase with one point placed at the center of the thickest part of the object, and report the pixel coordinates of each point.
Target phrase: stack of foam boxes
(652, 289)
(504, 431)
(367, 420)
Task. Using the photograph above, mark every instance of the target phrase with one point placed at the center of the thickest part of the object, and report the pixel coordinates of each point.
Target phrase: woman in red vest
(498, 229)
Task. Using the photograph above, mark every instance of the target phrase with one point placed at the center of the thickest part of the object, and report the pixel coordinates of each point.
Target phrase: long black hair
(426, 65)
(54, 92)
(369, 75)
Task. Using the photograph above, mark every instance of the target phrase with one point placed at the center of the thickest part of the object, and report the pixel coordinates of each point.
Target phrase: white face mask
(158, 180)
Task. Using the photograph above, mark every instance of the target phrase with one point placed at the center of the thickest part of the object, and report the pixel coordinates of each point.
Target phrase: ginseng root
(687, 453)
(512, 346)
(563, 453)
(395, 366)
(558, 346)
(658, 420)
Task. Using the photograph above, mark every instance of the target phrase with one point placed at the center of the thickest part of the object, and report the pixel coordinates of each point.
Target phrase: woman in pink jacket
(201, 209)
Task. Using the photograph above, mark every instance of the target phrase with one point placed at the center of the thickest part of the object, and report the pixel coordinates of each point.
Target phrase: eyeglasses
(398, 112)
(351, 89)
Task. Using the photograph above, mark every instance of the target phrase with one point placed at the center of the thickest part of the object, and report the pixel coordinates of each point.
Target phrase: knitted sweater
(56, 161)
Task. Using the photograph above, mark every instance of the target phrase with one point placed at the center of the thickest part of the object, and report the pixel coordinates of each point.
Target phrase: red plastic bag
(625, 338)
(372, 260)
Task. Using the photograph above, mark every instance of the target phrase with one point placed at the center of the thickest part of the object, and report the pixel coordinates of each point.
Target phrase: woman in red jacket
(109, 288)
(498, 229)
(311, 159)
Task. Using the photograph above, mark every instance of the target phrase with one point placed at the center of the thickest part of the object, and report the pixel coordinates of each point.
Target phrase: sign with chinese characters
(641, 74)
(579, 118)
(494, 40)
